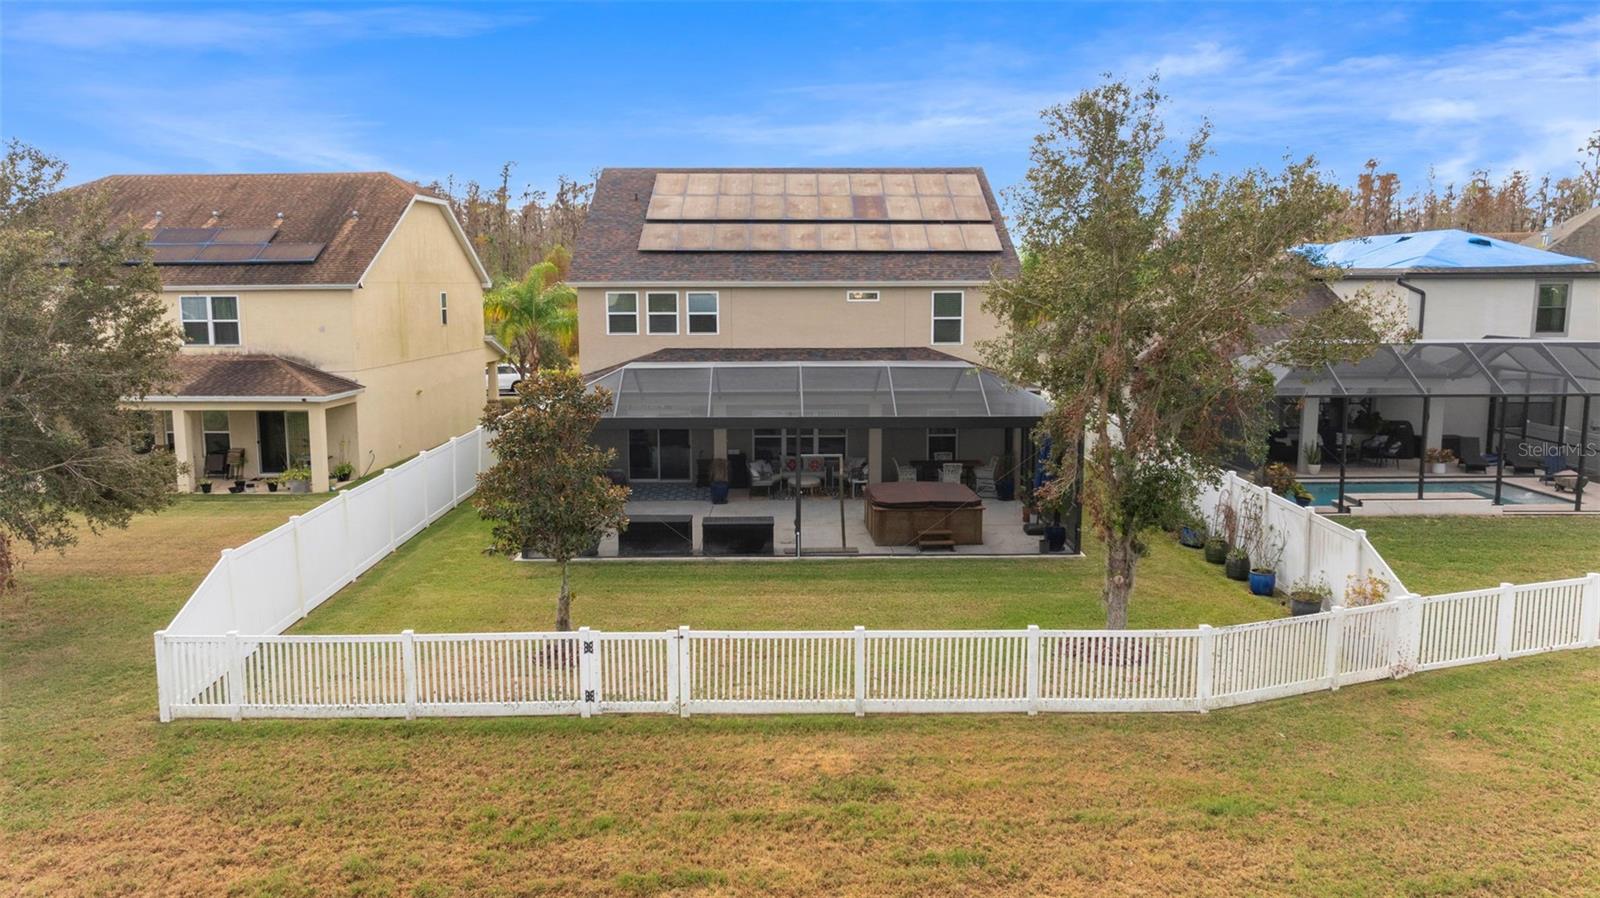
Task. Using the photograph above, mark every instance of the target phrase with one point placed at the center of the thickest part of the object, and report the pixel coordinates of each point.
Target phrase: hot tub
(898, 513)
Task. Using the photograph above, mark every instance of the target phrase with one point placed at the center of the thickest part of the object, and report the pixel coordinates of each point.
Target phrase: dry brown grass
(1478, 781)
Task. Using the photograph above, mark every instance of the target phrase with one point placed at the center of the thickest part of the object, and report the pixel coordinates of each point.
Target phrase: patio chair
(950, 472)
(216, 465)
(905, 473)
(983, 477)
(1473, 460)
(235, 463)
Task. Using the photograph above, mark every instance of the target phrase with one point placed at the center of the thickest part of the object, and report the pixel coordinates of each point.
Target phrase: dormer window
(210, 320)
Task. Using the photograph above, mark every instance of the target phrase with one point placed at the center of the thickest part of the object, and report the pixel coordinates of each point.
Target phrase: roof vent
(1403, 238)
(216, 213)
(158, 214)
(1480, 241)
(280, 216)
(355, 213)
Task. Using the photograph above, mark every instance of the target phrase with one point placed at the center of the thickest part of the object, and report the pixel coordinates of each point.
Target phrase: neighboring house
(1577, 236)
(760, 314)
(327, 318)
(1505, 332)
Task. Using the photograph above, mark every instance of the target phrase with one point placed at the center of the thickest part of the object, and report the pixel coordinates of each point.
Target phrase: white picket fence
(864, 671)
(270, 582)
(1312, 545)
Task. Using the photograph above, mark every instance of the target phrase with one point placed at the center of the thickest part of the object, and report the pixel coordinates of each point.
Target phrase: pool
(1324, 493)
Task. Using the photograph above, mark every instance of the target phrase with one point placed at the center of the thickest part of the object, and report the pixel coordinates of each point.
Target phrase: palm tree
(534, 314)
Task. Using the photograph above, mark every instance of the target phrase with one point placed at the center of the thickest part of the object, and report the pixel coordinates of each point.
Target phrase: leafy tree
(536, 317)
(81, 330)
(1143, 308)
(548, 492)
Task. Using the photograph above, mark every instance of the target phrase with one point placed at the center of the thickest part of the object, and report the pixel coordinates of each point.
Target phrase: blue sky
(432, 91)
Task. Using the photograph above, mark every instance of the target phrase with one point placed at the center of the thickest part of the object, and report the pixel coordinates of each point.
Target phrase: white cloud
(237, 31)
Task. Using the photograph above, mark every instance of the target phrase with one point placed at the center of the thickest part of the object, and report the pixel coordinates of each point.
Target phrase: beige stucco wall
(759, 317)
(423, 379)
(1470, 308)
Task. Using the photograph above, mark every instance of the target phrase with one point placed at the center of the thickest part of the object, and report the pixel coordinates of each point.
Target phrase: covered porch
(236, 423)
(804, 443)
(1510, 421)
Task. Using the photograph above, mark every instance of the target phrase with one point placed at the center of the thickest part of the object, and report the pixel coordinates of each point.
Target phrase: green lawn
(1476, 781)
(445, 583)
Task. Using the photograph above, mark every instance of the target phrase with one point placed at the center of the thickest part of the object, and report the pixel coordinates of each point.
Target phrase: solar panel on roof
(245, 235)
(290, 252)
(227, 246)
(164, 236)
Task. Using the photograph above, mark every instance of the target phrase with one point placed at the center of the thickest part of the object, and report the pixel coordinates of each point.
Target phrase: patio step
(936, 541)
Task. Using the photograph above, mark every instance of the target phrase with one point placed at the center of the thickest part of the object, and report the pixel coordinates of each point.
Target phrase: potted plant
(1237, 564)
(1308, 596)
(297, 479)
(1005, 479)
(1313, 456)
(1280, 479)
(1050, 506)
(1302, 496)
(1439, 460)
(343, 470)
(205, 487)
(1264, 573)
(719, 481)
(1193, 532)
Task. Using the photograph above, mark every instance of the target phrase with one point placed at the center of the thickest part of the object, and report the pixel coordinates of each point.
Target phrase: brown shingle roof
(816, 354)
(608, 245)
(1577, 236)
(316, 209)
(252, 375)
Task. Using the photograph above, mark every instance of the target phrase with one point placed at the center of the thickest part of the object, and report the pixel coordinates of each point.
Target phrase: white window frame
(1566, 308)
(648, 315)
(862, 295)
(610, 314)
(689, 313)
(211, 320)
(960, 320)
(444, 308)
(951, 433)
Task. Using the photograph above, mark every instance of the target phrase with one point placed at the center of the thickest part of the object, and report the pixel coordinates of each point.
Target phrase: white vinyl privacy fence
(1313, 547)
(270, 582)
(862, 671)
(222, 656)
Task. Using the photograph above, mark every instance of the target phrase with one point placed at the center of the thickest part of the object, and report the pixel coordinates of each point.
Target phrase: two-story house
(326, 318)
(761, 315)
(1507, 353)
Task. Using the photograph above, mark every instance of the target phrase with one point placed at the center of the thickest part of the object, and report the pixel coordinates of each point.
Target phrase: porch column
(183, 435)
(1310, 416)
(317, 418)
(719, 443)
(875, 455)
(1433, 433)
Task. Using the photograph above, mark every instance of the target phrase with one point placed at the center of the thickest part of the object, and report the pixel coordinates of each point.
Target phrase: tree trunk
(564, 603)
(1120, 560)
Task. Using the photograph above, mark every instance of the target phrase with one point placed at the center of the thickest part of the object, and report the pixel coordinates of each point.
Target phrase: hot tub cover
(922, 494)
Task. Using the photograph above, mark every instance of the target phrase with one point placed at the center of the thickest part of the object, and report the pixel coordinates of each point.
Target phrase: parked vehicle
(508, 377)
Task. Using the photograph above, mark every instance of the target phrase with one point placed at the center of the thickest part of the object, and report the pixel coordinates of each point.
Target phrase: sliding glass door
(659, 455)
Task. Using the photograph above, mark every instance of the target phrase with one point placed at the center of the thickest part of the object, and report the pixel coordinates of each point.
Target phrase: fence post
(1205, 663)
(427, 507)
(674, 700)
(233, 599)
(1309, 518)
(1407, 636)
(388, 494)
(1335, 656)
(455, 482)
(685, 683)
(586, 672)
(1505, 619)
(235, 674)
(1033, 669)
(1589, 617)
(299, 565)
(408, 665)
(163, 676)
(1361, 552)
(350, 560)
(858, 647)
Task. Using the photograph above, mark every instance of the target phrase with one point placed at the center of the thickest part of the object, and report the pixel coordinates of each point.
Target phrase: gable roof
(608, 248)
(1445, 251)
(352, 214)
(252, 376)
(1577, 236)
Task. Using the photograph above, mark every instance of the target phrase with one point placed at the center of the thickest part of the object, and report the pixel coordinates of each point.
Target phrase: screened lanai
(1532, 401)
(752, 394)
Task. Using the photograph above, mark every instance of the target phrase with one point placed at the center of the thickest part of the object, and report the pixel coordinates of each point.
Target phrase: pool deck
(1437, 503)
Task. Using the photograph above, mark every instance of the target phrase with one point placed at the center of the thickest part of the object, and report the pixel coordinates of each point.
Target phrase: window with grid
(1551, 315)
(210, 320)
(661, 313)
(947, 316)
(622, 313)
(703, 313)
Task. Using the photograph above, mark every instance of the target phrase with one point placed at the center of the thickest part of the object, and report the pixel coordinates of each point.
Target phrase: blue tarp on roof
(1434, 249)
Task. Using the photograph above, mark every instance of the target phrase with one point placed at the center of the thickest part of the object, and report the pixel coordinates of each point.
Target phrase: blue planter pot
(719, 493)
(1263, 584)
(1191, 537)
